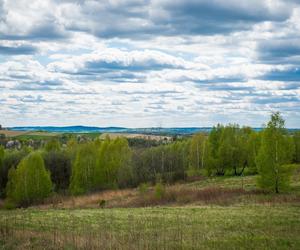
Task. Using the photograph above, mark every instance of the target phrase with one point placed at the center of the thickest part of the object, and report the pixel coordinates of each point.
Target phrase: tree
(114, 163)
(59, 165)
(2, 152)
(198, 151)
(52, 145)
(296, 138)
(11, 158)
(84, 175)
(275, 153)
(30, 182)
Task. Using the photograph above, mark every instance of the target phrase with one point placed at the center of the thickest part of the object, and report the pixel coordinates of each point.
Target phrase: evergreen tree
(276, 152)
(30, 182)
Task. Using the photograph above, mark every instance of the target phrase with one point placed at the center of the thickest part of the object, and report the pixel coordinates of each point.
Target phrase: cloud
(116, 65)
(143, 18)
(149, 62)
(289, 75)
(279, 50)
(216, 16)
(35, 21)
(17, 50)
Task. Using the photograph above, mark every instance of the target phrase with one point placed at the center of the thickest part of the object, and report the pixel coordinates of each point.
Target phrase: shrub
(159, 190)
(143, 189)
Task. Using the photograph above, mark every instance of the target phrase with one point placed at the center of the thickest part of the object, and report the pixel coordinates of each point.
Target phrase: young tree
(30, 182)
(84, 175)
(114, 163)
(213, 165)
(11, 159)
(276, 151)
(198, 151)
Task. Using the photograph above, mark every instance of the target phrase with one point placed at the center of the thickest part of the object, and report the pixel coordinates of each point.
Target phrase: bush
(143, 189)
(159, 191)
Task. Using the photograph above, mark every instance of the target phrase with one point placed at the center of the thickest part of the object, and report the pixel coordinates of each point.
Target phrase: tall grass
(213, 227)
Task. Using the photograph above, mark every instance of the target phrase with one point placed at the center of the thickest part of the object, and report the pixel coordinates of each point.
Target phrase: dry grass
(111, 198)
(179, 195)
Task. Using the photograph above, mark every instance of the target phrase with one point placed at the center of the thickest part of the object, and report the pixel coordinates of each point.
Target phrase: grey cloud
(42, 32)
(279, 51)
(138, 19)
(17, 50)
(217, 16)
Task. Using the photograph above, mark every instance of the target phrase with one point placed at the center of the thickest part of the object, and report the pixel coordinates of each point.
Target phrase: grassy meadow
(208, 220)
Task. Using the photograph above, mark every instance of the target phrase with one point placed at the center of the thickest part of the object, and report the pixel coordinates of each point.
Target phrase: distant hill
(87, 129)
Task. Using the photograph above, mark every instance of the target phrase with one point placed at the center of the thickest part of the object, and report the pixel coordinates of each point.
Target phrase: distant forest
(76, 165)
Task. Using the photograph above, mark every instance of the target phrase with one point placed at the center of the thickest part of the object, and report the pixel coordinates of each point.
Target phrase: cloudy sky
(142, 63)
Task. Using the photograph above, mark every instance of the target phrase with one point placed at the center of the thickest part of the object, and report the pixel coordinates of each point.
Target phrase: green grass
(246, 182)
(209, 227)
(254, 221)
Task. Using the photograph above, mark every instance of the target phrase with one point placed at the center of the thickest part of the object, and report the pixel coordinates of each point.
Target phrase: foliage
(296, 138)
(197, 150)
(52, 145)
(83, 178)
(59, 165)
(159, 190)
(276, 151)
(30, 182)
(114, 163)
(11, 158)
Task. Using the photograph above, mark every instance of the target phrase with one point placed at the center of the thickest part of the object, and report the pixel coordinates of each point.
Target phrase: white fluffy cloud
(148, 63)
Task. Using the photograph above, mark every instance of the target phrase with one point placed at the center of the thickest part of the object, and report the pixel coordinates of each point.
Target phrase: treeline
(28, 176)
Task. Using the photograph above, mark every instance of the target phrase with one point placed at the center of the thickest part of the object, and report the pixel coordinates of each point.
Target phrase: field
(43, 135)
(242, 220)
(25, 135)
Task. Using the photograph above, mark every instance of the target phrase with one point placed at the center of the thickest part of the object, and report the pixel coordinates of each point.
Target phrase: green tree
(296, 138)
(84, 178)
(198, 150)
(59, 165)
(52, 145)
(213, 165)
(11, 159)
(30, 182)
(114, 163)
(275, 153)
(2, 153)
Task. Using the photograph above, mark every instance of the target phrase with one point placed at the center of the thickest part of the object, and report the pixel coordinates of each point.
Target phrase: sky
(149, 63)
